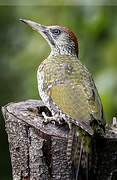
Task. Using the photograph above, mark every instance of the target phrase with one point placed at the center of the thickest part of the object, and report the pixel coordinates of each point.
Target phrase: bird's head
(61, 40)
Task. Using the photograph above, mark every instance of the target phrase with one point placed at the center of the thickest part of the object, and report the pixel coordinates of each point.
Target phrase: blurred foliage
(22, 50)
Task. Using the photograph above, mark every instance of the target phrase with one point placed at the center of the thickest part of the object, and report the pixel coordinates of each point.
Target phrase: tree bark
(38, 150)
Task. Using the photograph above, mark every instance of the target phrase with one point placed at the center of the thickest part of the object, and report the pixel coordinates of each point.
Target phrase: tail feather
(83, 155)
(79, 160)
(87, 166)
(69, 146)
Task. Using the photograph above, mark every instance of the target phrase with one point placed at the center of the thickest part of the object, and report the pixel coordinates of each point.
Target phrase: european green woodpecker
(66, 86)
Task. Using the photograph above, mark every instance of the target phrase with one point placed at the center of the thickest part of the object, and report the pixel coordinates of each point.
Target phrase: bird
(67, 88)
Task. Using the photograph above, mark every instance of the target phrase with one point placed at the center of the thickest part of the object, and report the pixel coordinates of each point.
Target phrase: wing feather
(75, 93)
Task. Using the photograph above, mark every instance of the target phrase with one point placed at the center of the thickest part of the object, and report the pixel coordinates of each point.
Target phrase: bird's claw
(48, 119)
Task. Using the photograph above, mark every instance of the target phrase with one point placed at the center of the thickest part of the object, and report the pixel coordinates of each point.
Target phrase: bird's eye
(56, 31)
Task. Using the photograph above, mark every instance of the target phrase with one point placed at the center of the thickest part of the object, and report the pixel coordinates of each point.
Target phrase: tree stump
(38, 150)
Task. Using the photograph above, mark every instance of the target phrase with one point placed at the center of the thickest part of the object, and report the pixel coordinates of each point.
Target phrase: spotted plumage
(60, 90)
(67, 88)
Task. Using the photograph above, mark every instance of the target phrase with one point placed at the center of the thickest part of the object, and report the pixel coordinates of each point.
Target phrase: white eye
(56, 31)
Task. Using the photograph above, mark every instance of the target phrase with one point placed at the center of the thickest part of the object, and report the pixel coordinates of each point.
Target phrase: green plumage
(67, 88)
(72, 89)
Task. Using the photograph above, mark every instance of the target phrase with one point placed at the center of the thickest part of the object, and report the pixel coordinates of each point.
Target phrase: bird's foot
(48, 119)
(52, 119)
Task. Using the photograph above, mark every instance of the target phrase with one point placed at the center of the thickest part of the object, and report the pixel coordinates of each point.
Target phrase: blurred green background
(22, 50)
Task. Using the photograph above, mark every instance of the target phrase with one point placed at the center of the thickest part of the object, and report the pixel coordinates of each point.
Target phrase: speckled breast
(52, 71)
(49, 74)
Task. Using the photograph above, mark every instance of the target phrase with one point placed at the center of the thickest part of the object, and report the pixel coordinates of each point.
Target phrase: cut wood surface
(38, 150)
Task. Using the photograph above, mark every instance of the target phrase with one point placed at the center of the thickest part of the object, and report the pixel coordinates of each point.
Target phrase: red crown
(73, 37)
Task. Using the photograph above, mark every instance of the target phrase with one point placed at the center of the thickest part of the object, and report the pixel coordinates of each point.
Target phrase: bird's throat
(63, 50)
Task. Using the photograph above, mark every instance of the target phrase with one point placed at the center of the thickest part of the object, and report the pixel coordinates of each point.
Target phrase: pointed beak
(43, 30)
(35, 26)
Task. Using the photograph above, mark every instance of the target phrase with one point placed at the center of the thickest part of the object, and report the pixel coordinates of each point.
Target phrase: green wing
(78, 97)
(72, 101)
